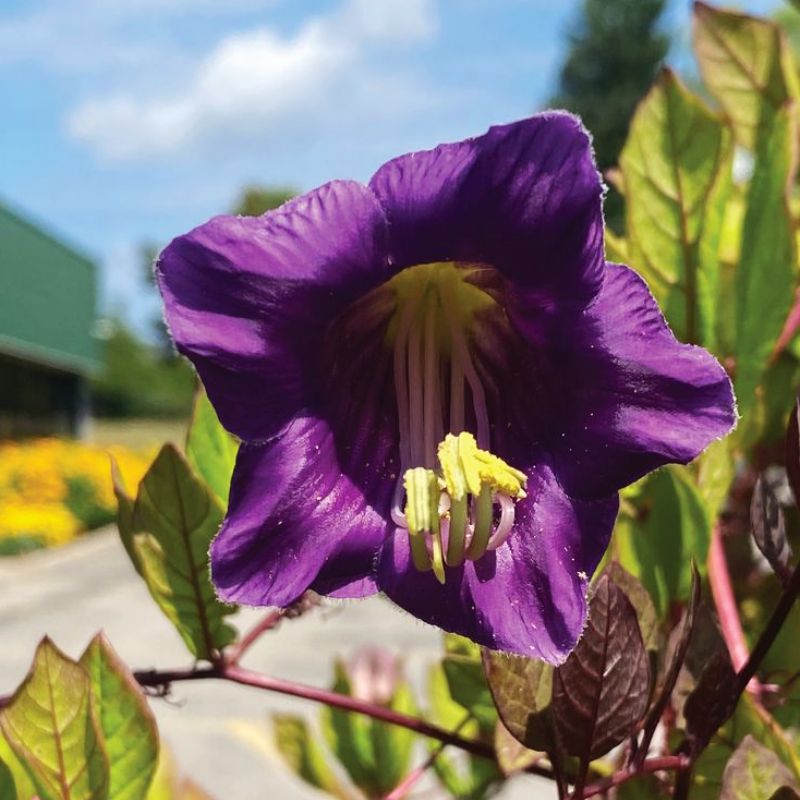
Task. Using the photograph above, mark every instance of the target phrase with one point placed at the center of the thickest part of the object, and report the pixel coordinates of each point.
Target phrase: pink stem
(271, 620)
(790, 328)
(651, 765)
(722, 591)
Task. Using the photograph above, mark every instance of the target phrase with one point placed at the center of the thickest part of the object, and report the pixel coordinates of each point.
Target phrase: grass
(138, 434)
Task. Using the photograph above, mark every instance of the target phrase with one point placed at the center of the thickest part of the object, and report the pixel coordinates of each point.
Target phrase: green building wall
(47, 314)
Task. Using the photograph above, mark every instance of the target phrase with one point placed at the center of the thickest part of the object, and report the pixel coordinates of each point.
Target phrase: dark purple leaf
(601, 692)
(522, 690)
(676, 655)
(793, 451)
(769, 529)
(712, 701)
(642, 603)
(785, 793)
(755, 771)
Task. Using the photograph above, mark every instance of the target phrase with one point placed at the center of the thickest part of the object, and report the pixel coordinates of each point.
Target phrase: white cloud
(258, 86)
(89, 36)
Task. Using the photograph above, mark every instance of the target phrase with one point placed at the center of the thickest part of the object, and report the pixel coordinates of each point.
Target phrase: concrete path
(219, 734)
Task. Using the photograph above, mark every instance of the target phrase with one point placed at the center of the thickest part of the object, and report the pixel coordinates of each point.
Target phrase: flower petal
(297, 520)
(247, 299)
(630, 397)
(524, 198)
(526, 597)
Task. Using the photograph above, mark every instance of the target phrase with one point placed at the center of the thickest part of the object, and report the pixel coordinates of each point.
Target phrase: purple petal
(629, 396)
(297, 520)
(248, 299)
(528, 596)
(524, 197)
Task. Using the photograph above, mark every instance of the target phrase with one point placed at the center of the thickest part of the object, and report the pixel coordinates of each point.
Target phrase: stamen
(458, 532)
(422, 512)
(461, 354)
(483, 512)
(401, 379)
(415, 385)
(431, 385)
(506, 522)
(456, 396)
(446, 494)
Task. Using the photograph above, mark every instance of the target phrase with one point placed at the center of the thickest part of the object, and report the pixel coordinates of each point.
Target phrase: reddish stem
(722, 591)
(236, 674)
(790, 328)
(675, 763)
(233, 655)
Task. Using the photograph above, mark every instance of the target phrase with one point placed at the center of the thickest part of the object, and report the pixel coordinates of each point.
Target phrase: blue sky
(127, 121)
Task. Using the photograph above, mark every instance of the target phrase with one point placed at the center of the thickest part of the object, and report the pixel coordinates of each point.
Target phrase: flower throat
(454, 498)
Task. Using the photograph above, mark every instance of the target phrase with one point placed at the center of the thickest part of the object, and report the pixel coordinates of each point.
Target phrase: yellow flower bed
(51, 490)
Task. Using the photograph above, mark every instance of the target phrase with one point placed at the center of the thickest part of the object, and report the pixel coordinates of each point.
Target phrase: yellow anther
(422, 500)
(467, 469)
(459, 466)
(422, 516)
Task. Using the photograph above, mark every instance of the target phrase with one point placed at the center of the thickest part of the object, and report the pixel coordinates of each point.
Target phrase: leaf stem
(234, 654)
(770, 633)
(722, 591)
(674, 763)
(162, 679)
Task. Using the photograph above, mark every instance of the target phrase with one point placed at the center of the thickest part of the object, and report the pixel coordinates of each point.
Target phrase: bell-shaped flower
(440, 385)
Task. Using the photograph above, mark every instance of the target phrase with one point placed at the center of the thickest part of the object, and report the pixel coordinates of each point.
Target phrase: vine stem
(722, 591)
(790, 328)
(675, 763)
(233, 654)
(225, 671)
(790, 594)
(162, 679)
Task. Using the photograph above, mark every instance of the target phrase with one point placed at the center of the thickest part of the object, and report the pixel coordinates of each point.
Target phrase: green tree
(256, 200)
(138, 381)
(615, 49)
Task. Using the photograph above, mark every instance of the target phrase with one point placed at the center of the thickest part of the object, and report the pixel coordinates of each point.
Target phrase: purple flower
(463, 291)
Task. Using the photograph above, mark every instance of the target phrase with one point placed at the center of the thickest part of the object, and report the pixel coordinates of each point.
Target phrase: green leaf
(512, 756)
(125, 506)
(126, 722)
(677, 169)
(748, 67)
(467, 682)
(749, 718)
(8, 790)
(616, 247)
(52, 727)
(376, 755)
(766, 272)
(668, 527)
(394, 745)
(350, 737)
(522, 689)
(210, 449)
(303, 755)
(470, 777)
(22, 787)
(175, 518)
(716, 471)
(754, 773)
